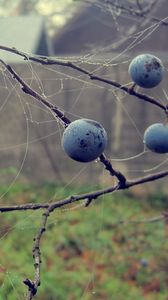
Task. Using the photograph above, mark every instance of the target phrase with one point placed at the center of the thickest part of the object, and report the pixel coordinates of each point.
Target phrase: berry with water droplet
(146, 70)
(84, 140)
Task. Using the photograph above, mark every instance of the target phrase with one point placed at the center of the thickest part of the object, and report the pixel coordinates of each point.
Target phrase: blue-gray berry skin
(156, 138)
(146, 70)
(84, 140)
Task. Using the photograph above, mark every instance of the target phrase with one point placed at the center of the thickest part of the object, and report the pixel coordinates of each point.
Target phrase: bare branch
(30, 206)
(49, 61)
(91, 195)
(108, 166)
(33, 285)
(28, 90)
(130, 91)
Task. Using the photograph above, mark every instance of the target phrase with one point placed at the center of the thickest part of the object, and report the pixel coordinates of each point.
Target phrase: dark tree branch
(129, 91)
(30, 206)
(28, 90)
(49, 61)
(33, 285)
(108, 166)
(91, 195)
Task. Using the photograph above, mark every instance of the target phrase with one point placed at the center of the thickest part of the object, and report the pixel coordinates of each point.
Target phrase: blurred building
(25, 33)
(101, 29)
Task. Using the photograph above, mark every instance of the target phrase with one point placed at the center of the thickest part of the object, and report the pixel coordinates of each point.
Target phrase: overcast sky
(56, 12)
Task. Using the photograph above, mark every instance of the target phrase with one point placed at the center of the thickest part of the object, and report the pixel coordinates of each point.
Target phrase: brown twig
(30, 206)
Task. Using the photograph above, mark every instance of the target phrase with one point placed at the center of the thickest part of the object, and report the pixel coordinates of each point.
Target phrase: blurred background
(117, 248)
(100, 37)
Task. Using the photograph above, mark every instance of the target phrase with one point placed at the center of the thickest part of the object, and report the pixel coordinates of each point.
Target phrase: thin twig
(138, 221)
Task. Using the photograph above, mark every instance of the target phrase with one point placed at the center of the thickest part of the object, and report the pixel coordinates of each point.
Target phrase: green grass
(85, 255)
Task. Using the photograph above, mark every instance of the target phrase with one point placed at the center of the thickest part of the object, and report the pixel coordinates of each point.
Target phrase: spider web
(31, 139)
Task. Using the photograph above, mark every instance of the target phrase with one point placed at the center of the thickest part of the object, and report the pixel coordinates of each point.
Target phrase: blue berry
(84, 140)
(146, 70)
(156, 138)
